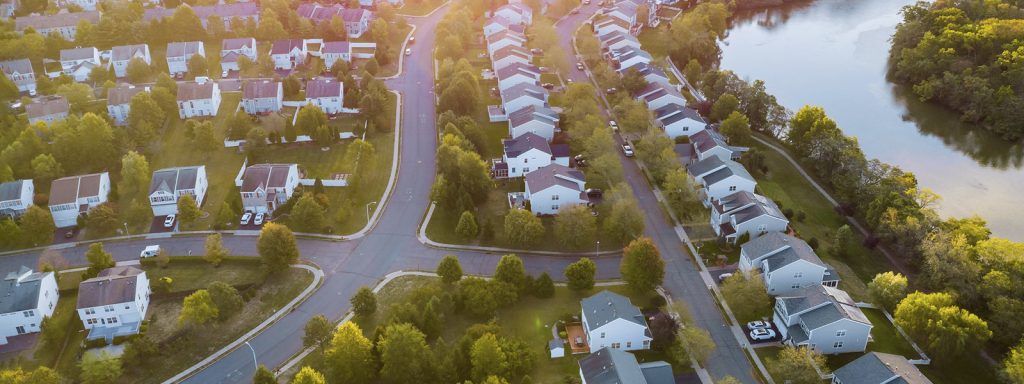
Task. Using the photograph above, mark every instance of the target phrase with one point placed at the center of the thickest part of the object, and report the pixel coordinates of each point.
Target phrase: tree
(307, 215)
(947, 331)
(77, 95)
(626, 220)
(747, 296)
(736, 128)
(188, 211)
(544, 287)
(887, 289)
(139, 350)
(449, 269)
(134, 174)
(1013, 364)
(522, 227)
(309, 375)
(575, 226)
(481, 298)
(724, 106)
(205, 138)
(694, 342)
(487, 358)
(350, 357)
(796, 365)
(642, 267)
(364, 302)
(98, 258)
(404, 354)
(693, 71)
(317, 332)
(215, 251)
(256, 141)
(45, 168)
(103, 221)
(510, 270)
(277, 246)
(226, 298)
(263, 376)
(37, 226)
(467, 227)
(680, 193)
(162, 258)
(100, 368)
(198, 309)
(580, 275)
(138, 71)
(843, 242)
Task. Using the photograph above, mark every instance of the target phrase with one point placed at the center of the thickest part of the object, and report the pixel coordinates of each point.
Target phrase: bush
(563, 335)
(800, 216)
(97, 343)
(813, 242)
(657, 302)
(683, 140)
(118, 340)
(788, 212)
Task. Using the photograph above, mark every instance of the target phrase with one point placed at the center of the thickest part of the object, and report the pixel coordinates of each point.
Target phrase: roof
(781, 249)
(112, 286)
(559, 150)
(47, 106)
(522, 144)
(195, 91)
(77, 53)
(353, 15)
(762, 206)
(317, 12)
(879, 368)
(323, 87)
(608, 21)
(556, 344)
(237, 43)
(225, 11)
(284, 47)
(69, 189)
(554, 174)
(518, 68)
(657, 90)
(611, 366)
(264, 176)
(123, 94)
(524, 89)
(657, 372)
(605, 306)
(532, 113)
(500, 20)
(16, 66)
(730, 169)
(672, 113)
(127, 52)
(506, 34)
(261, 89)
(705, 166)
(838, 305)
(707, 139)
(20, 290)
(335, 47)
(183, 48)
(11, 190)
(174, 179)
(512, 50)
(58, 20)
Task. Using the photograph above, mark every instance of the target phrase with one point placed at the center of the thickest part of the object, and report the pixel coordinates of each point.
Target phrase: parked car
(408, 51)
(614, 125)
(627, 150)
(412, 39)
(169, 221)
(724, 276)
(246, 217)
(537, 51)
(762, 334)
(548, 86)
(758, 324)
(579, 65)
(259, 219)
(70, 233)
(224, 74)
(611, 90)
(150, 251)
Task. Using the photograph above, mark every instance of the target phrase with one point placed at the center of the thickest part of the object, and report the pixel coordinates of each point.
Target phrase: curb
(393, 179)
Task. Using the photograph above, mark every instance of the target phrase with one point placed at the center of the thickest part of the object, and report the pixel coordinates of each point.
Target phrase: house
(709, 143)
(287, 54)
(523, 95)
(678, 120)
(241, 11)
(629, 56)
(78, 62)
(496, 24)
(787, 264)
(554, 186)
(333, 51)
(609, 25)
(556, 348)
(121, 55)
(16, 197)
(7, 8)
(720, 178)
(21, 74)
(357, 21)
(179, 53)
(516, 73)
(49, 109)
(232, 49)
(262, 97)
(510, 54)
(169, 184)
(824, 319)
(525, 153)
(611, 320)
(326, 93)
(533, 119)
(200, 98)
(658, 95)
(745, 213)
(26, 298)
(267, 186)
(66, 24)
(88, 5)
(74, 195)
(613, 366)
(879, 368)
(515, 13)
(119, 101)
(543, 5)
(504, 39)
(650, 73)
(625, 11)
(113, 303)
(618, 40)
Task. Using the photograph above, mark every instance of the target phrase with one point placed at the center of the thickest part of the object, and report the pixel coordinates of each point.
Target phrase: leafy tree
(887, 289)
(162, 258)
(544, 287)
(37, 226)
(467, 227)
(360, 159)
(78, 95)
(487, 358)
(642, 267)
(680, 193)
(724, 106)
(843, 242)
(277, 246)
(481, 298)
(100, 368)
(747, 296)
(522, 227)
(449, 269)
(946, 330)
(693, 72)
(139, 350)
(205, 138)
(317, 332)
(98, 259)
(404, 354)
(226, 298)
(632, 116)
(215, 251)
(736, 128)
(694, 342)
(797, 366)
(580, 274)
(103, 221)
(1013, 364)
(188, 211)
(138, 71)
(307, 215)
(575, 226)
(364, 302)
(263, 376)
(256, 141)
(198, 308)
(350, 356)
(309, 375)
(510, 270)
(626, 220)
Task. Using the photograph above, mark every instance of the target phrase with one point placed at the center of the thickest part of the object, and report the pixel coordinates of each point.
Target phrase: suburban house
(720, 178)
(709, 143)
(232, 49)
(879, 368)
(16, 197)
(608, 25)
(517, 74)
(169, 184)
(48, 109)
(333, 51)
(74, 195)
(510, 54)
(554, 186)
(122, 54)
(745, 213)
(533, 119)
(64, 23)
(26, 298)
(88, 5)
(78, 62)
(242, 11)
(288, 54)
(496, 24)
(623, 10)
(113, 303)
(515, 13)
(613, 366)
(261, 97)
(824, 319)
(618, 40)
(20, 73)
(649, 72)
(678, 120)
(200, 98)
(523, 95)
(503, 39)
(326, 93)
(267, 186)
(7, 8)
(611, 320)
(119, 100)
(658, 95)
(357, 21)
(787, 264)
(179, 53)
(525, 153)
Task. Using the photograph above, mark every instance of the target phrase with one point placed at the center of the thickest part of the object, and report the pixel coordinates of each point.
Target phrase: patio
(109, 333)
(577, 338)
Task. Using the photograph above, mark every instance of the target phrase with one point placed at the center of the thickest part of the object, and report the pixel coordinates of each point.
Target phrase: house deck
(110, 333)
(575, 333)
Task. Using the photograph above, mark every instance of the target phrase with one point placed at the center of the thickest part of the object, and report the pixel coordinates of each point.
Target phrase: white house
(169, 184)
(20, 72)
(232, 49)
(786, 263)
(515, 13)
(74, 195)
(326, 93)
(745, 213)
(178, 54)
(49, 109)
(658, 95)
(611, 320)
(824, 319)
(879, 368)
(608, 25)
(266, 186)
(614, 366)
(678, 120)
(287, 54)
(554, 186)
(527, 153)
(122, 54)
(517, 74)
(88, 5)
(79, 62)
(357, 21)
(16, 197)
(542, 121)
(114, 303)
(524, 95)
(650, 73)
(262, 97)
(630, 55)
(26, 298)
(720, 178)
(63, 23)
(244, 11)
(334, 51)
(496, 24)
(511, 54)
(618, 40)
(200, 98)
(119, 100)
(623, 10)
(503, 39)
(709, 143)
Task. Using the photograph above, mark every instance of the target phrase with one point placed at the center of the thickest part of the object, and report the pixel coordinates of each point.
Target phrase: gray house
(48, 110)
(611, 320)
(20, 72)
(824, 319)
(879, 368)
(786, 263)
(612, 366)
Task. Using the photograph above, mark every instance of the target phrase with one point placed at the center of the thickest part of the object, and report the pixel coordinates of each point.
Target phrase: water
(833, 53)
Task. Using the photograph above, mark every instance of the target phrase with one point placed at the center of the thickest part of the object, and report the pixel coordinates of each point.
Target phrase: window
(798, 275)
(629, 344)
(554, 197)
(794, 286)
(616, 345)
(841, 333)
(554, 207)
(90, 311)
(112, 320)
(837, 345)
(91, 321)
(109, 308)
(526, 170)
(526, 161)
(29, 313)
(602, 335)
(126, 306)
(732, 188)
(647, 344)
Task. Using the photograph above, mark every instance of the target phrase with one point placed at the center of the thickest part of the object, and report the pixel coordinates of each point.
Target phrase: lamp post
(598, 250)
(256, 366)
(368, 210)
(126, 228)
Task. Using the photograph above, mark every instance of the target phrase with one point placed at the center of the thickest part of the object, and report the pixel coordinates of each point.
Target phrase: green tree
(404, 354)
(642, 267)
(205, 138)
(318, 331)
(138, 71)
(45, 168)
(277, 246)
(510, 270)
(945, 330)
(350, 357)
(215, 251)
(100, 368)
(467, 227)
(693, 72)
(37, 226)
(481, 298)
(580, 274)
(796, 365)
(544, 287)
(449, 269)
(626, 220)
(724, 106)
(736, 128)
(680, 193)
(487, 358)
(134, 175)
(188, 211)
(263, 376)
(309, 375)
(843, 242)
(575, 226)
(364, 302)
(695, 342)
(226, 298)
(139, 350)
(522, 227)
(887, 289)
(747, 297)
(307, 215)
(98, 259)
(1013, 364)
(198, 309)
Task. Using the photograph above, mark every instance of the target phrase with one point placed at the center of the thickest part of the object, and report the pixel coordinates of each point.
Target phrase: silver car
(762, 334)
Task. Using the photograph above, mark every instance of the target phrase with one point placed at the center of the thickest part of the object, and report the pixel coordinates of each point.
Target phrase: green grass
(885, 339)
(711, 250)
(419, 8)
(64, 321)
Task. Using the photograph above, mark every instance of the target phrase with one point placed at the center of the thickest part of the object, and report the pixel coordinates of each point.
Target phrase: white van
(150, 251)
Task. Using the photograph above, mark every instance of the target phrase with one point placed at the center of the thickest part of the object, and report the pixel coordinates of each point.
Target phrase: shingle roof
(606, 21)
(554, 174)
(47, 106)
(605, 307)
(195, 91)
(560, 150)
(127, 52)
(705, 166)
(762, 206)
(526, 142)
(77, 53)
(20, 290)
(123, 94)
(183, 48)
(203, 12)
(524, 89)
(505, 34)
(323, 87)
(532, 113)
(282, 47)
(839, 305)
(237, 43)
(518, 68)
(780, 249)
(657, 372)
(59, 20)
(335, 47)
(264, 176)
(174, 179)
(672, 113)
(731, 168)
(512, 50)
(352, 15)
(881, 368)
(11, 190)
(260, 89)
(16, 66)
(611, 366)
(112, 286)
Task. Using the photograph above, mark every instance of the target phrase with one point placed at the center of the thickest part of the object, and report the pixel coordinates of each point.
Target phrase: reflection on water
(833, 53)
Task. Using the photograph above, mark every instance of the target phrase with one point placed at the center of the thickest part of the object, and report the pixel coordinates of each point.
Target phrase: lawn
(718, 254)
(419, 8)
(64, 321)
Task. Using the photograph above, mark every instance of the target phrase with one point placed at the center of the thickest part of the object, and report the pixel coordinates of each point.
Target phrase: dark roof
(525, 142)
(225, 11)
(281, 47)
(323, 87)
(20, 290)
(531, 113)
(611, 20)
(611, 366)
(524, 89)
(237, 43)
(560, 150)
(657, 372)
(11, 190)
(47, 106)
(264, 176)
(123, 94)
(730, 169)
(353, 15)
(672, 112)
(554, 174)
(16, 66)
(335, 47)
(173, 179)
(881, 368)
(183, 48)
(512, 50)
(77, 53)
(556, 343)
(761, 206)
(127, 52)
(605, 307)
(780, 249)
(839, 305)
(59, 20)
(112, 286)
(518, 68)
(260, 89)
(705, 166)
(503, 34)
(68, 189)
(195, 91)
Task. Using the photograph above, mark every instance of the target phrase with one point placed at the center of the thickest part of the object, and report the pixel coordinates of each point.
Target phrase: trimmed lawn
(65, 321)
(885, 339)
(711, 251)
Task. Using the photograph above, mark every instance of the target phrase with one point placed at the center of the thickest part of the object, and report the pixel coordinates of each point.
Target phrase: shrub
(788, 212)
(813, 242)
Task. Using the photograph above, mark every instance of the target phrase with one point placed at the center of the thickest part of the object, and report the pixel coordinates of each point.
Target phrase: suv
(169, 221)
(150, 251)
(627, 150)
(246, 217)
(762, 334)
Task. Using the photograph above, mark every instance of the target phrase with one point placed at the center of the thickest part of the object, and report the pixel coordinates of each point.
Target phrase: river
(833, 53)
